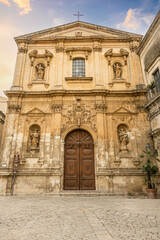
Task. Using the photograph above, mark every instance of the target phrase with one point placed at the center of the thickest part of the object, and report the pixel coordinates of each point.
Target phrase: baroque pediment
(122, 110)
(35, 111)
(78, 30)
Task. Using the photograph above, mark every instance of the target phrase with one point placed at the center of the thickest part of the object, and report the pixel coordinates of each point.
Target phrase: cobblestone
(79, 218)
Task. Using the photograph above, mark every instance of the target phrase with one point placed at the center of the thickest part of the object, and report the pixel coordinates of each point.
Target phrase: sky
(18, 17)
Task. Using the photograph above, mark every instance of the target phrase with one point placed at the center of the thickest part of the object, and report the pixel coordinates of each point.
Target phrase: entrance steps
(84, 193)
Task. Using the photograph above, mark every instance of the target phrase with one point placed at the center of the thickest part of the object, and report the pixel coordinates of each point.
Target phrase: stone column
(59, 65)
(100, 107)
(97, 50)
(9, 141)
(19, 68)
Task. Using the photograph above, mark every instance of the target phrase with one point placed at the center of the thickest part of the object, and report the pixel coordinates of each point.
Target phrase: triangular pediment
(35, 111)
(122, 110)
(79, 30)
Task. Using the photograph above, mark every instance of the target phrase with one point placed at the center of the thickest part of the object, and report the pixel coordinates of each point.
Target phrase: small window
(78, 67)
(156, 76)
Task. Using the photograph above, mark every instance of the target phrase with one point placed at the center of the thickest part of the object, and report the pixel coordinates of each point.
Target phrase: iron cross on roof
(78, 15)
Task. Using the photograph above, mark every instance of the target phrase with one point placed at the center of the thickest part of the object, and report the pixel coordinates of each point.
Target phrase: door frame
(94, 138)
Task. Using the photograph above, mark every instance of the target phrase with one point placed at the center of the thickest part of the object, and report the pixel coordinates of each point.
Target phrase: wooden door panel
(79, 161)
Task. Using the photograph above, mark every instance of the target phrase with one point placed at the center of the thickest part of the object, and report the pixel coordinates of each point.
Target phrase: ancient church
(76, 117)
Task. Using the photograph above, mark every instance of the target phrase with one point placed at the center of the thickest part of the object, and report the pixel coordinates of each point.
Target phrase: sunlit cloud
(23, 5)
(6, 2)
(136, 19)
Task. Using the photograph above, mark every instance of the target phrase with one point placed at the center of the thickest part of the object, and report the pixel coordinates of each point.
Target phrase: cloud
(22, 4)
(58, 21)
(6, 2)
(25, 5)
(136, 19)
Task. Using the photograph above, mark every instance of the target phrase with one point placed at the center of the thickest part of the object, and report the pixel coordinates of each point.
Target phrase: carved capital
(134, 46)
(97, 48)
(56, 108)
(22, 50)
(100, 107)
(14, 108)
(59, 49)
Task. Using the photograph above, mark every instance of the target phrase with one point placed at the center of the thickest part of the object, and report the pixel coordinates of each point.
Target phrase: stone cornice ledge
(79, 79)
(152, 100)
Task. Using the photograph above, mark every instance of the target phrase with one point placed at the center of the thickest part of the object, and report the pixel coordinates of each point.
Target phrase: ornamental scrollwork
(77, 115)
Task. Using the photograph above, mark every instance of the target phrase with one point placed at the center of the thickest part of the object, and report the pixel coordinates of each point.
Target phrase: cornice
(61, 92)
(155, 24)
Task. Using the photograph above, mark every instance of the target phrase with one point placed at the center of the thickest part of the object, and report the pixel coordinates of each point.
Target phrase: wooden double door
(79, 161)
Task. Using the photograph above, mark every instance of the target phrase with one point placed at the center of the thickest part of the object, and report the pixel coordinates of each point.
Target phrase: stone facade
(149, 51)
(47, 101)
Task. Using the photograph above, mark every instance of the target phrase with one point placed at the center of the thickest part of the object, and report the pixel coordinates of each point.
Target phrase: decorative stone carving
(59, 49)
(134, 46)
(79, 114)
(78, 34)
(100, 107)
(97, 48)
(14, 108)
(40, 71)
(57, 108)
(117, 68)
(123, 136)
(85, 50)
(122, 54)
(34, 138)
(34, 54)
(22, 50)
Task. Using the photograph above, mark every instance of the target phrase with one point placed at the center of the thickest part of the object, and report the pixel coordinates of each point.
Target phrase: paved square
(79, 218)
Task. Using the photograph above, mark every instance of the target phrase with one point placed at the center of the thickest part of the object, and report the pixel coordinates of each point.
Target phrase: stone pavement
(79, 218)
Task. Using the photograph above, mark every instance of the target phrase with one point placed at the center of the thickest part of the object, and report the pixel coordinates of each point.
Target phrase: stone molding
(79, 79)
(122, 53)
(85, 50)
(34, 54)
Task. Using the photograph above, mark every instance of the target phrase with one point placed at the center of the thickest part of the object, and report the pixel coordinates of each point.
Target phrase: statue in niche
(123, 139)
(117, 67)
(34, 138)
(40, 70)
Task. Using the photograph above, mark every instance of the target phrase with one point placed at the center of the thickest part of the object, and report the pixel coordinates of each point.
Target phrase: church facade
(76, 116)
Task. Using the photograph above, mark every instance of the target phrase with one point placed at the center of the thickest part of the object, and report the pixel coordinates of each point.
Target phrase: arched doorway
(79, 161)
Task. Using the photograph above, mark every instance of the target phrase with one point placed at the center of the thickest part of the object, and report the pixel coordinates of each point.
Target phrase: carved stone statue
(34, 139)
(123, 139)
(117, 67)
(40, 70)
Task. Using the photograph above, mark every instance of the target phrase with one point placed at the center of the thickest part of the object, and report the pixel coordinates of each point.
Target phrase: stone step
(84, 193)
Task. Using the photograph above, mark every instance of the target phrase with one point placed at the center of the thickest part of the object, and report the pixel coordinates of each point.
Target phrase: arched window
(78, 67)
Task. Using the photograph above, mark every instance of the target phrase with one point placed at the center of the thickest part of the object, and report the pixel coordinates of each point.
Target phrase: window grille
(78, 67)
